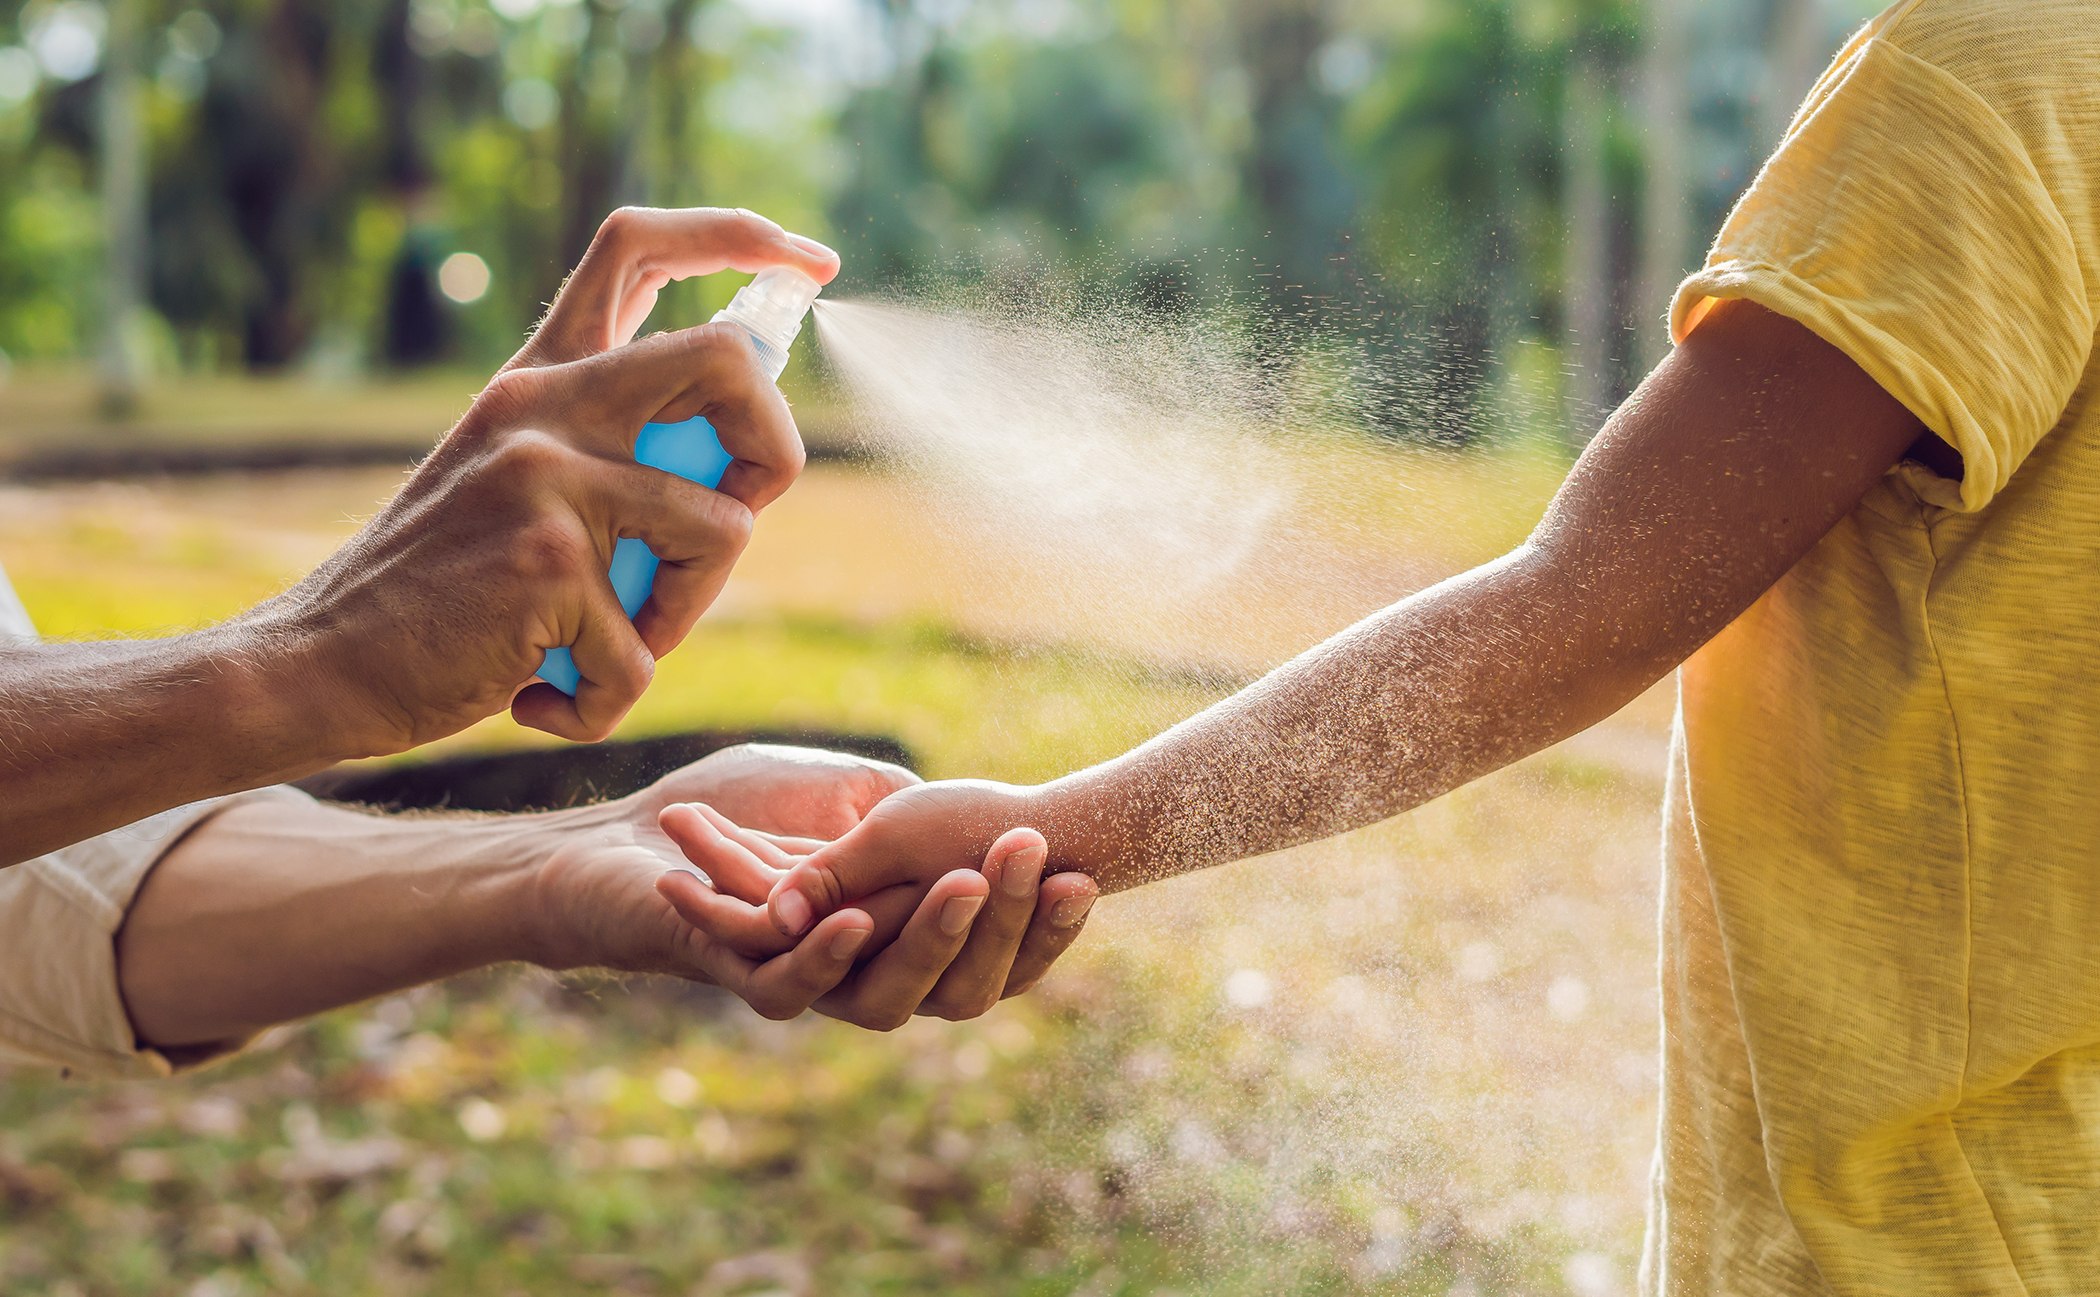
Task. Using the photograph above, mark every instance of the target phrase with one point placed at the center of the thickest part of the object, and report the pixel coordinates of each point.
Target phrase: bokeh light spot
(195, 35)
(678, 1087)
(482, 1121)
(18, 74)
(1248, 988)
(1480, 961)
(1567, 998)
(530, 102)
(69, 42)
(463, 277)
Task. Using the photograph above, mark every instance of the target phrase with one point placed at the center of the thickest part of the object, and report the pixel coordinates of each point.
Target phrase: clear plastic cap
(771, 308)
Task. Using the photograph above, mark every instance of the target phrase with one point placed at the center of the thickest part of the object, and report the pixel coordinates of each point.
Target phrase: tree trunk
(590, 163)
(123, 178)
(1666, 203)
(1588, 285)
(679, 85)
(1797, 46)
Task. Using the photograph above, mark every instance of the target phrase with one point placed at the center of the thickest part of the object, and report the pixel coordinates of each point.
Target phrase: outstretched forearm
(275, 910)
(93, 736)
(1739, 453)
(1444, 687)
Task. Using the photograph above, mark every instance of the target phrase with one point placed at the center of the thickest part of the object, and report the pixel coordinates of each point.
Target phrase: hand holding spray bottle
(770, 308)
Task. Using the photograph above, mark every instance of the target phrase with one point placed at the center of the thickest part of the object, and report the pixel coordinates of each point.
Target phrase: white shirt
(14, 618)
(60, 1004)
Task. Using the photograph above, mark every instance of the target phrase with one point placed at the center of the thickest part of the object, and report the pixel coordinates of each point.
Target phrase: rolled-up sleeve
(59, 1000)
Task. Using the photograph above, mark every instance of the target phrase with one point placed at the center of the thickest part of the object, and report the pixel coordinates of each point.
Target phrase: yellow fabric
(1881, 908)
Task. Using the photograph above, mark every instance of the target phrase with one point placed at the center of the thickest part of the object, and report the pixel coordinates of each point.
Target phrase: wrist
(301, 697)
(547, 907)
(265, 693)
(1087, 823)
(497, 882)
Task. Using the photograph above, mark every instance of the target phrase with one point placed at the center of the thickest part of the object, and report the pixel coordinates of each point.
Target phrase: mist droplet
(1248, 988)
(1568, 998)
(1479, 961)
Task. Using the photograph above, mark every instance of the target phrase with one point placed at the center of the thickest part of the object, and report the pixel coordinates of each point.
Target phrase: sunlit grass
(1416, 1060)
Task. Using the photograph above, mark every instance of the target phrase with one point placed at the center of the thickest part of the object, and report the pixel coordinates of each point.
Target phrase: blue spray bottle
(770, 309)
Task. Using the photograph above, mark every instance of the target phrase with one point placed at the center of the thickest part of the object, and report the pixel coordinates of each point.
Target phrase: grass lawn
(1417, 1059)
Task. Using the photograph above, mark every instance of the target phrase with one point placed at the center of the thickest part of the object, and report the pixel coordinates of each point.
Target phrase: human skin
(440, 609)
(1739, 452)
(273, 910)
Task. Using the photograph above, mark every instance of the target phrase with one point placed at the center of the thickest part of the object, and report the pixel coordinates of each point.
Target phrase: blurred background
(256, 255)
(364, 188)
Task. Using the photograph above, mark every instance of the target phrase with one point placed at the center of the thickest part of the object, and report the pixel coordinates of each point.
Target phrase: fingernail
(848, 943)
(688, 869)
(1017, 877)
(793, 909)
(956, 914)
(808, 244)
(1068, 912)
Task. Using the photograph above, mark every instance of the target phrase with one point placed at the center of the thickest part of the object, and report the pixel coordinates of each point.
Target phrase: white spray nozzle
(770, 308)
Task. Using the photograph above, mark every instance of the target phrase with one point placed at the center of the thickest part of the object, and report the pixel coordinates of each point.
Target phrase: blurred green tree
(1432, 190)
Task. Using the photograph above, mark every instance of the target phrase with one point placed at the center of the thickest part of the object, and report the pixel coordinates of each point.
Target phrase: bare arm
(274, 910)
(97, 735)
(1740, 451)
(438, 612)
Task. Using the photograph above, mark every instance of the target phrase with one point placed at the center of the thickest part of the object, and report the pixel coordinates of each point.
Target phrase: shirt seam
(1968, 927)
(1968, 846)
(1896, 20)
(2004, 1237)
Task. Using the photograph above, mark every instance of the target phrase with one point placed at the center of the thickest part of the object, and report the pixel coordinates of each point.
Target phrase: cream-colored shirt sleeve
(1909, 225)
(59, 914)
(15, 625)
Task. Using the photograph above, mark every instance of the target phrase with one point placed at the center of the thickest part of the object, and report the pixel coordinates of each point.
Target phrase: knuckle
(511, 393)
(617, 686)
(730, 521)
(549, 552)
(619, 223)
(929, 967)
(822, 886)
(877, 1017)
(794, 455)
(745, 227)
(526, 459)
(727, 344)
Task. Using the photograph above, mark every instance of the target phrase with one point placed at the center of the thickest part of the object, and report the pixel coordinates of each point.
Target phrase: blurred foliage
(1393, 177)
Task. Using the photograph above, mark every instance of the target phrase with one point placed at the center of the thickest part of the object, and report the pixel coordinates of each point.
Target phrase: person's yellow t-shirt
(1881, 900)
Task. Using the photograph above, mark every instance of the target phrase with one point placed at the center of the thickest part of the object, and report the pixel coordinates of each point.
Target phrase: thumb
(808, 892)
(858, 864)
